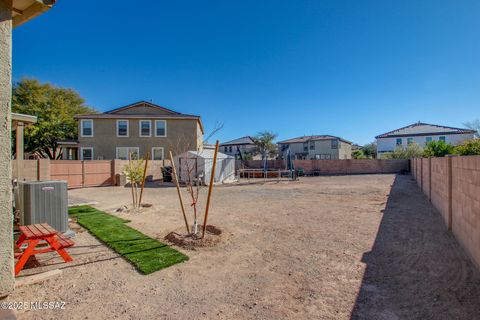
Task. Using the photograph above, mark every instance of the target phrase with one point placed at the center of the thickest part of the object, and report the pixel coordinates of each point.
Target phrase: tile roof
(421, 128)
(312, 138)
(242, 140)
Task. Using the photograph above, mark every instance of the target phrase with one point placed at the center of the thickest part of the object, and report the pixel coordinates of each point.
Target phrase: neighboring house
(320, 147)
(420, 133)
(245, 145)
(139, 128)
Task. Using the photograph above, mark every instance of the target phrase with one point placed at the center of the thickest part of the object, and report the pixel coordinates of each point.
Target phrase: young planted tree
(188, 172)
(135, 172)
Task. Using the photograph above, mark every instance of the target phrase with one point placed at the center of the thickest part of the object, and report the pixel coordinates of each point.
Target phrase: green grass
(146, 254)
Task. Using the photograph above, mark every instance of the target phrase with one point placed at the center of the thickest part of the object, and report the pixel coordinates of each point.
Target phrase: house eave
(23, 11)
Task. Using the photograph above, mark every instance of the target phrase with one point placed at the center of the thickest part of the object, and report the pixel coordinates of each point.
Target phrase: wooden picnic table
(33, 235)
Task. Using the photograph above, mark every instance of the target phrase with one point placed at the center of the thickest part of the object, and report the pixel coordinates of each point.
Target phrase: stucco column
(7, 280)
(19, 149)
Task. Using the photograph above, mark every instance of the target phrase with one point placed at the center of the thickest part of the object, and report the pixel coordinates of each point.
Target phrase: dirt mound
(213, 236)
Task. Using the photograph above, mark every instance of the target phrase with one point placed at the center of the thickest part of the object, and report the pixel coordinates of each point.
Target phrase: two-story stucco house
(420, 133)
(245, 145)
(320, 147)
(140, 128)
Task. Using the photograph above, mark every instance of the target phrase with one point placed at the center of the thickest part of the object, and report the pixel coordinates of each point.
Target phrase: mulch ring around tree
(213, 236)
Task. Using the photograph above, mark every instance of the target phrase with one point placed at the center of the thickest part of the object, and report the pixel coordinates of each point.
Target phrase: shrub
(437, 149)
(412, 150)
(468, 148)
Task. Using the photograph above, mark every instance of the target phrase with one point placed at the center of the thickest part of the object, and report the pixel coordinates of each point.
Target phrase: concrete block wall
(326, 167)
(466, 203)
(41, 169)
(454, 186)
(440, 188)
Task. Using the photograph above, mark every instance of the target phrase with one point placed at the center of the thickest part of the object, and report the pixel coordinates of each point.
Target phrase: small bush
(468, 148)
(412, 150)
(437, 149)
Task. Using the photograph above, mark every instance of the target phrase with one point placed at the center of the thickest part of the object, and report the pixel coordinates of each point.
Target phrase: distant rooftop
(312, 138)
(239, 141)
(421, 129)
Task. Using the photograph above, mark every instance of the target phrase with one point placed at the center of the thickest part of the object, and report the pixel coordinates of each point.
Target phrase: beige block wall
(465, 196)
(425, 176)
(182, 135)
(439, 187)
(352, 166)
(466, 203)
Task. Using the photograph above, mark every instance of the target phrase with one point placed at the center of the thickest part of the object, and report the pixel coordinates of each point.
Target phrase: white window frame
(86, 148)
(81, 127)
(160, 148)
(128, 128)
(128, 153)
(165, 122)
(140, 128)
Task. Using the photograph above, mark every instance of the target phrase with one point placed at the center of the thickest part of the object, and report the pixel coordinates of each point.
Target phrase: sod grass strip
(146, 254)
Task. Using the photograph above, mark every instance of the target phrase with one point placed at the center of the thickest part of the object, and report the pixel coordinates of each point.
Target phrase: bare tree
(474, 125)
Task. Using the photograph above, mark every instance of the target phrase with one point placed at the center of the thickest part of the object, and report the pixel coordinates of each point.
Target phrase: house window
(86, 127)
(312, 145)
(160, 128)
(157, 153)
(305, 147)
(399, 141)
(334, 144)
(230, 149)
(87, 153)
(284, 147)
(409, 140)
(122, 128)
(441, 138)
(428, 139)
(226, 149)
(145, 128)
(124, 152)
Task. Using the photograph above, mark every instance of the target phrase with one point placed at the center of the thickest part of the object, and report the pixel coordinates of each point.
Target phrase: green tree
(264, 142)
(358, 154)
(55, 108)
(412, 150)
(370, 150)
(437, 149)
(474, 125)
(468, 148)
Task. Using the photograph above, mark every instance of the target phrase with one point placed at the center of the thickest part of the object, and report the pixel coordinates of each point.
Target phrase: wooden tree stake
(210, 188)
(143, 180)
(174, 172)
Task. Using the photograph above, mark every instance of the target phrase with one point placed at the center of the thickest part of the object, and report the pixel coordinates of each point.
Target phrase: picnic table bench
(35, 234)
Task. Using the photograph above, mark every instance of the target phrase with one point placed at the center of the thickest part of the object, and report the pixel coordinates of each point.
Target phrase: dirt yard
(346, 247)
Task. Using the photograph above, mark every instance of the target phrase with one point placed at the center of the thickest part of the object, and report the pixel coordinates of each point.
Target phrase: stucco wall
(389, 144)
(180, 134)
(322, 147)
(7, 282)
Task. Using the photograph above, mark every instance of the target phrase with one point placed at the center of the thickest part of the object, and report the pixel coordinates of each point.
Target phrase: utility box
(44, 202)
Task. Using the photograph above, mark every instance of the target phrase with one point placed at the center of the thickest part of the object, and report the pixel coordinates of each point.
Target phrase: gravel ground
(345, 247)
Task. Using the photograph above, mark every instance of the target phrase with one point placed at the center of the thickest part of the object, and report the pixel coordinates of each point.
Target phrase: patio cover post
(7, 280)
(19, 147)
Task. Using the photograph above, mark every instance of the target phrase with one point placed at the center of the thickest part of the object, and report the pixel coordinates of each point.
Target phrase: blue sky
(349, 68)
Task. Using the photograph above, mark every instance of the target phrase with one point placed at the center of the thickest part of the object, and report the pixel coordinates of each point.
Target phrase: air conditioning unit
(43, 202)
